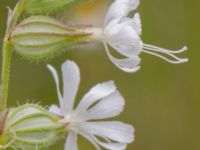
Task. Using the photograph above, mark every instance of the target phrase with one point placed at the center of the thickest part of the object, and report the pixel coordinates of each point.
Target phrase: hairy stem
(13, 17)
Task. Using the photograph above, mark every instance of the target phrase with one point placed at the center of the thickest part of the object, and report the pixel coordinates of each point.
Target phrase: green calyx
(31, 127)
(49, 6)
(41, 37)
(46, 6)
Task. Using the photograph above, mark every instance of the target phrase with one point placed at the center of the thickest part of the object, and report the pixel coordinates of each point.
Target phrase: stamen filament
(155, 48)
(176, 61)
(172, 55)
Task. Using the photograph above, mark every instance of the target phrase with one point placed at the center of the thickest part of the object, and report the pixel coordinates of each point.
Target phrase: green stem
(7, 52)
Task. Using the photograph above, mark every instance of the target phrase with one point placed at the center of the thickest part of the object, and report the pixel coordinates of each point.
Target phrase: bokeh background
(162, 100)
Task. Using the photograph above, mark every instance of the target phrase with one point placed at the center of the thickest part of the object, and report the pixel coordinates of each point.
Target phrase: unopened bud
(46, 6)
(49, 6)
(39, 37)
(32, 127)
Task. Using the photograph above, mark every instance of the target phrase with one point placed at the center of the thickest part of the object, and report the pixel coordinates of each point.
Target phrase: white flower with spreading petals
(103, 101)
(122, 33)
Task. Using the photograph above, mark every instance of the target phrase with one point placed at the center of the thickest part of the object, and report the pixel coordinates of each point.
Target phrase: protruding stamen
(176, 61)
(159, 49)
(154, 50)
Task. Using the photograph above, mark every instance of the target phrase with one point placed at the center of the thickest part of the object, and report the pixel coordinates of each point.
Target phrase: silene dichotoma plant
(39, 37)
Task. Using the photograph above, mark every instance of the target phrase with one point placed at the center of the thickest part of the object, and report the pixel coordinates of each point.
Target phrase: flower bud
(31, 127)
(39, 37)
(49, 6)
(46, 6)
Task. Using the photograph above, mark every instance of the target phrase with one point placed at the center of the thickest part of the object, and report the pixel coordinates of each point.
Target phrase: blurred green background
(162, 100)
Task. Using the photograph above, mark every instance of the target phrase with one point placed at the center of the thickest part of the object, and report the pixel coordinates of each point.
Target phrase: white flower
(122, 33)
(103, 101)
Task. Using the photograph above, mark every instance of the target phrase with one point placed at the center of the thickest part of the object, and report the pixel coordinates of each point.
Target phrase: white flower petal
(56, 110)
(97, 143)
(134, 22)
(109, 106)
(123, 38)
(113, 130)
(71, 142)
(55, 75)
(137, 25)
(129, 65)
(120, 9)
(112, 145)
(71, 80)
(134, 4)
(90, 138)
(95, 94)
